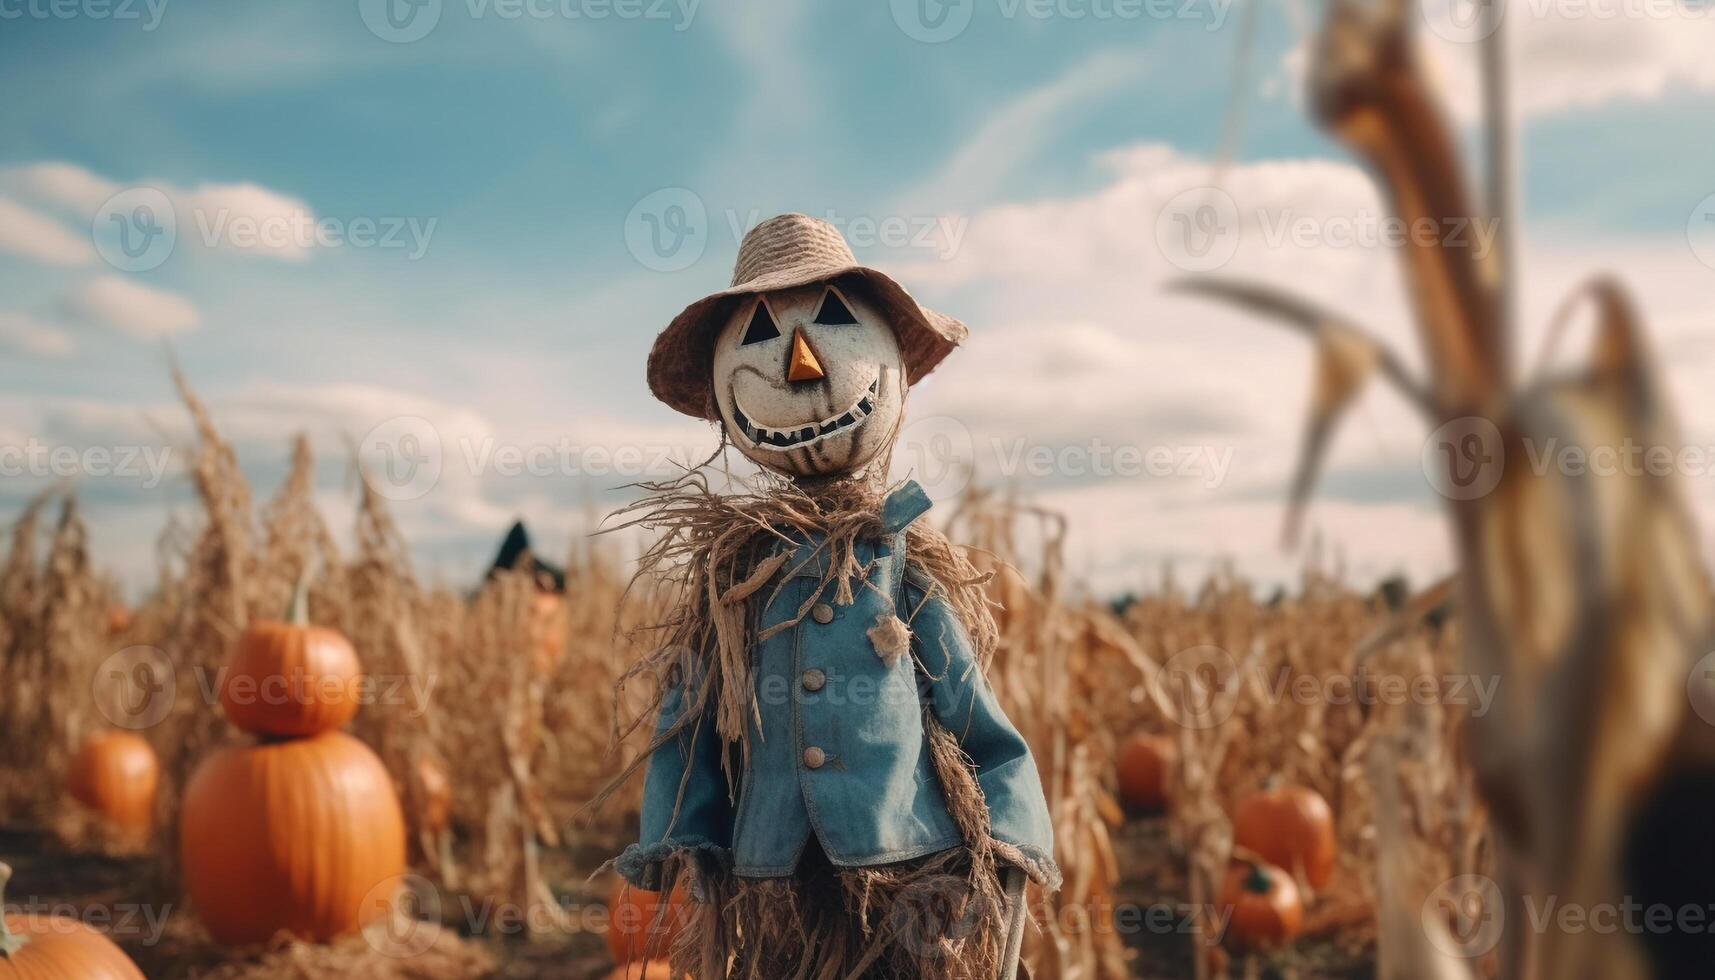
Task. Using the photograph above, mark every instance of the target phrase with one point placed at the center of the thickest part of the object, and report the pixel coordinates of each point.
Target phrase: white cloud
(132, 308)
(65, 184)
(236, 218)
(1565, 54)
(36, 236)
(28, 335)
(1075, 340)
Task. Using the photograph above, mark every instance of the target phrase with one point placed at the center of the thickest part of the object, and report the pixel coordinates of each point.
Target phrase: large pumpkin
(638, 928)
(303, 836)
(1145, 761)
(1288, 826)
(49, 947)
(115, 774)
(1262, 906)
(288, 678)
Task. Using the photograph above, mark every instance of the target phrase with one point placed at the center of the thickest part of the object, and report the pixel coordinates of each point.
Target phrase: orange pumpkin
(288, 678)
(118, 618)
(48, 947)
(115, 774)
(1145, 761)
(1291, 827)
(304, 836)
(549, 622)
(1262, 906)
(637, 926)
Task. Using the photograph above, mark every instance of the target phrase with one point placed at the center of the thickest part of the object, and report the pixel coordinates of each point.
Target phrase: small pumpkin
(1144, 764)
(638, 928)
(1262, 906)
(115, 774)
(304, 836)
(50, 947)
(118, 618)
(288, 678)
(1291, 827)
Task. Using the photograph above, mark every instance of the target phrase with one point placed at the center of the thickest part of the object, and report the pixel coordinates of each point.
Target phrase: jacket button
(822, 613)
(814, 679)
(814, 757)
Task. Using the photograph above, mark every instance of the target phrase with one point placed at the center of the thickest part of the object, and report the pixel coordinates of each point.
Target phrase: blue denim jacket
(841, 750)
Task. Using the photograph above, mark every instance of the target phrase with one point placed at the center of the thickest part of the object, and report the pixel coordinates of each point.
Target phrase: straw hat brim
(681, 364)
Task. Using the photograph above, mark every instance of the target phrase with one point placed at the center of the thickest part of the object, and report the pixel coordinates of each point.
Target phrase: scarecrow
(830, 769)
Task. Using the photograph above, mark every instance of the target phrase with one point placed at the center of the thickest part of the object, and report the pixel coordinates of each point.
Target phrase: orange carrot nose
(802, 365)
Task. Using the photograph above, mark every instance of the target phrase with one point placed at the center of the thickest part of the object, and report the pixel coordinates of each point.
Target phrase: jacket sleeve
(686, 806)
(963, 702)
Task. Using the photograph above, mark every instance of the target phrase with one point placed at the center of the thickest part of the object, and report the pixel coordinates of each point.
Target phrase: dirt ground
(171, 946)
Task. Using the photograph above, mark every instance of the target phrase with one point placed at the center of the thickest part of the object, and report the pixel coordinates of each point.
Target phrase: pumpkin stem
(298, 610)
(1259, 881)
(9, 943)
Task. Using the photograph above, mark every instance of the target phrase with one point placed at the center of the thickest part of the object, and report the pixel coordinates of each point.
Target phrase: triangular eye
(834, 311)
(761, 326)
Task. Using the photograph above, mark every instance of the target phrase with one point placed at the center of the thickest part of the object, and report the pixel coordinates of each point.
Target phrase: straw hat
(783, 252)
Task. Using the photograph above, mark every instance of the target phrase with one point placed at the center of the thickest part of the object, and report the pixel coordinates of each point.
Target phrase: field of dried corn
(523, 737)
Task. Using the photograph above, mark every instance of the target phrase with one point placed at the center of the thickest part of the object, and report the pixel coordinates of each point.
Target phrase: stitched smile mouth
(800, 436)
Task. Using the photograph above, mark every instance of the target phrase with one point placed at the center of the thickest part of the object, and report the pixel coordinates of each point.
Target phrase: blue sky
(524, 145)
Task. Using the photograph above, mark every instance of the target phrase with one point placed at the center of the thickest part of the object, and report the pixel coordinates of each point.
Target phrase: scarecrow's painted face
(809, 380)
